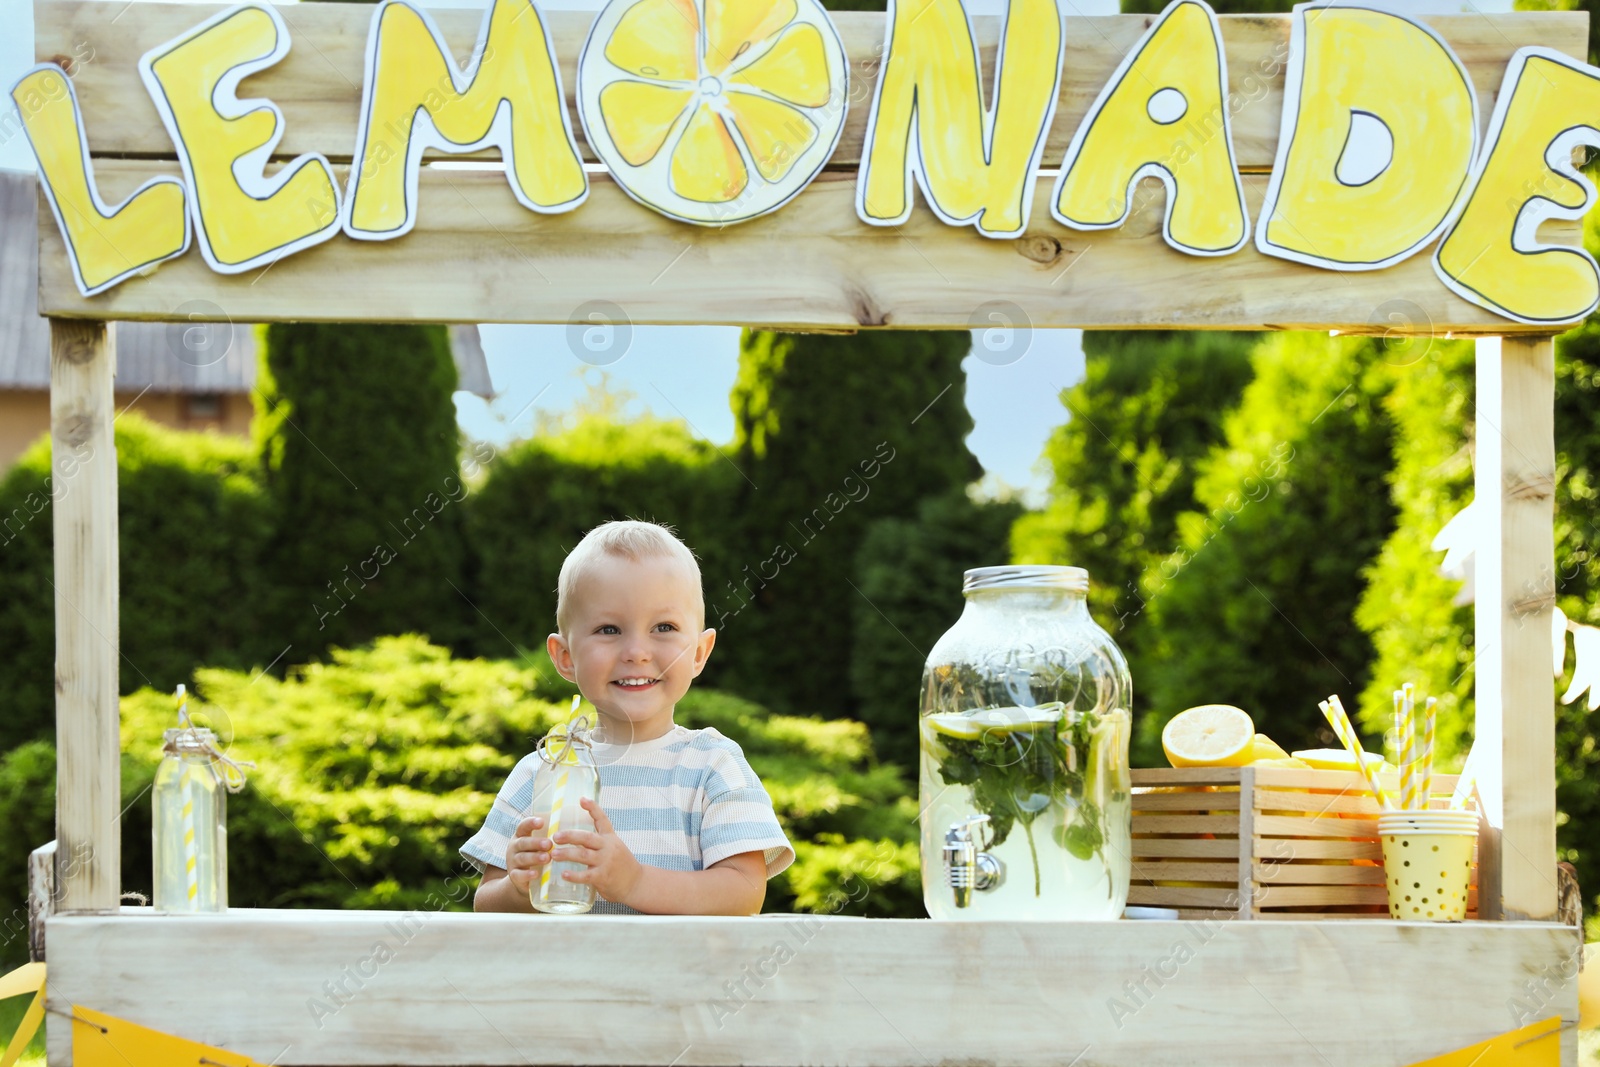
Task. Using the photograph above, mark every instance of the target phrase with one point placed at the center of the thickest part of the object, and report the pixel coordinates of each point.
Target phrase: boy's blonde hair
(630, 539)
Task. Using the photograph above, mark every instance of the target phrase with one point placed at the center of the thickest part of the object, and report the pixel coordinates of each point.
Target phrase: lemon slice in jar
(970, 725)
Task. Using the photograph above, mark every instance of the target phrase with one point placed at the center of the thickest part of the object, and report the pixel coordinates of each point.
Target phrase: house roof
(172, 357)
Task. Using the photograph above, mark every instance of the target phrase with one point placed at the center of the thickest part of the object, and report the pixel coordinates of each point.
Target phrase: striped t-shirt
(682, 801)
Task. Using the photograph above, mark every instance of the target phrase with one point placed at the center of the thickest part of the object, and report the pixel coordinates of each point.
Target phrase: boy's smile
(635, 641)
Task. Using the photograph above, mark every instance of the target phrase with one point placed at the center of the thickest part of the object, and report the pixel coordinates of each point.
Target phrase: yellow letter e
(105, 245)
(1548, 105)
(243, 218)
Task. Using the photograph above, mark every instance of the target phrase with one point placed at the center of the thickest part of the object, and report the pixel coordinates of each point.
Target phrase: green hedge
(193, 520)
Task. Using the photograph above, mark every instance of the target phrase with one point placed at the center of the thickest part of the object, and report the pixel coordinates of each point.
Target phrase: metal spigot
(966, 869)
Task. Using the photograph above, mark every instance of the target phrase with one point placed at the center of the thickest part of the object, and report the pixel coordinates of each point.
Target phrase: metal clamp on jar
(966, 869)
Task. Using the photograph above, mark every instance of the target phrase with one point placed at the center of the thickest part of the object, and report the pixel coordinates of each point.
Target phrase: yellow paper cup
(1427, 865)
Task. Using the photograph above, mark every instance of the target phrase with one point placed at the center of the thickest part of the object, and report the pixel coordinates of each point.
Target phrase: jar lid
(1073, 579)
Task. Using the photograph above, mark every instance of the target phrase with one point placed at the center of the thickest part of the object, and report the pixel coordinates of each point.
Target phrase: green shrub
(192, 521)
(909, 572)
(373, 769)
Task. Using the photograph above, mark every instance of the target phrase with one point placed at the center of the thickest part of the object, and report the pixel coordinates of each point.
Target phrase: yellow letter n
(975, 166)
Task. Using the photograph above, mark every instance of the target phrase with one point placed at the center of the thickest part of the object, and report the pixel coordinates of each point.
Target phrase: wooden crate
(1303, 846)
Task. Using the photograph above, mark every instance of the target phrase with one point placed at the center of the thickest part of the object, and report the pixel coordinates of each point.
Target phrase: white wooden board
(515, 990)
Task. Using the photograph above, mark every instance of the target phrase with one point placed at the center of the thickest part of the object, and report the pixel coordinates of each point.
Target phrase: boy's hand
(612, 870)
(527, 854)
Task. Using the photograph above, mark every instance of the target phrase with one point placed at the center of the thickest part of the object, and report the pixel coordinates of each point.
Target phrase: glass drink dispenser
(1026, 713)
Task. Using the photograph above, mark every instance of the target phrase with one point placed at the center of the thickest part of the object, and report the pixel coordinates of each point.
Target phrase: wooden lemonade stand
(457, 989)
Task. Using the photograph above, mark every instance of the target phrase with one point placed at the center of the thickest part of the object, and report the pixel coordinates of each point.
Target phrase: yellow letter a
(1548, 105)
(104, 244)
(1164, 113)
(928, 119)
(415, 98)
(1380, 124)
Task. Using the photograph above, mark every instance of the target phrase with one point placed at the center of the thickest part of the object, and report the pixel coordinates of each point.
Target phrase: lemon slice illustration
(713, 111)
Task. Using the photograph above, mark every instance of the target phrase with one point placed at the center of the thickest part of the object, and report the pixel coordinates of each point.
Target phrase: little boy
(684, 825)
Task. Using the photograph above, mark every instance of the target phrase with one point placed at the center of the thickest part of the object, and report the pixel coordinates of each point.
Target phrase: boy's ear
(702, 649)
(560, 655)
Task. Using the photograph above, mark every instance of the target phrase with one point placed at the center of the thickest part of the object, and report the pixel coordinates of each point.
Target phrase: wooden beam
(446, 988)
(1514, 487)
(84, 494)
(477, 255)
(318, 84)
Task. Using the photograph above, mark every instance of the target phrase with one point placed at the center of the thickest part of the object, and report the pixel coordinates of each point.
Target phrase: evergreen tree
(909, 572)
(1150, 406)
(1256, 607)
(832, 433)
(358, 440)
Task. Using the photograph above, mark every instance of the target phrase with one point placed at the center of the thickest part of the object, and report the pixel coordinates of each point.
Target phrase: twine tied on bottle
(559, 745)
(191, 740)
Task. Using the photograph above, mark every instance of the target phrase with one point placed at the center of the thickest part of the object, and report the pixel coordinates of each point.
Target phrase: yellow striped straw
(567, 758)
(1408, 749)
(190, 865)
(1333, 710)
(1425, 753)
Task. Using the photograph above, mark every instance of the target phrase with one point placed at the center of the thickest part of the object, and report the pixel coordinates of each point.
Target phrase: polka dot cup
(1427, 863)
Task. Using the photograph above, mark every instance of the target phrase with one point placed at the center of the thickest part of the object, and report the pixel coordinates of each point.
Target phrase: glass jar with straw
(567, 773)
(189, 831)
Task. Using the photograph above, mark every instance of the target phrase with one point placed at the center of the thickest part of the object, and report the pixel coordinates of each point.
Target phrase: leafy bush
(1149, 408)
(909, 572)
(1256, 607)
(373, 768)
(192, 521)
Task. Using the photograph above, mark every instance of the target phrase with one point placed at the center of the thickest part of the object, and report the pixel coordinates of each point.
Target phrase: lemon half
(713, 111)
(1212, 735)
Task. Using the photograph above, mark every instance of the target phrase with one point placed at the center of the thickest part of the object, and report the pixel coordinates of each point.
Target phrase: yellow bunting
(1379, 128)
(974, 167)
(105, 245)
(1535, 1045)
(1163, 114)
(1548, 105)
(29, 978)
(101, 1040)
(243, 218)
(415, 98)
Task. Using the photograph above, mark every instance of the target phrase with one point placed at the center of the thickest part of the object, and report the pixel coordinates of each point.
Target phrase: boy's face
(634, 643)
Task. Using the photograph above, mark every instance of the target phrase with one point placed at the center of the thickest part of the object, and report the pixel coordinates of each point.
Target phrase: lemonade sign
(717, 112)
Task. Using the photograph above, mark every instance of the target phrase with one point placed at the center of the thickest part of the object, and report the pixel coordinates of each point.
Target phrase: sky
(1014, 378)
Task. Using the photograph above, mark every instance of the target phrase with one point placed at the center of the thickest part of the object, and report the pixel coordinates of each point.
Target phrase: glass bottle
(1026, 713)
(567, 773)
(189, 802)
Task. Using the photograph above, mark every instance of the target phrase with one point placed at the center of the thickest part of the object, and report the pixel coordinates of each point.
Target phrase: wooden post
(1515, 574)
(84, 491)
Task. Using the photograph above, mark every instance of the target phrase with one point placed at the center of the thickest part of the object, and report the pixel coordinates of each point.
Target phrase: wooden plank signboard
(765, 162)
